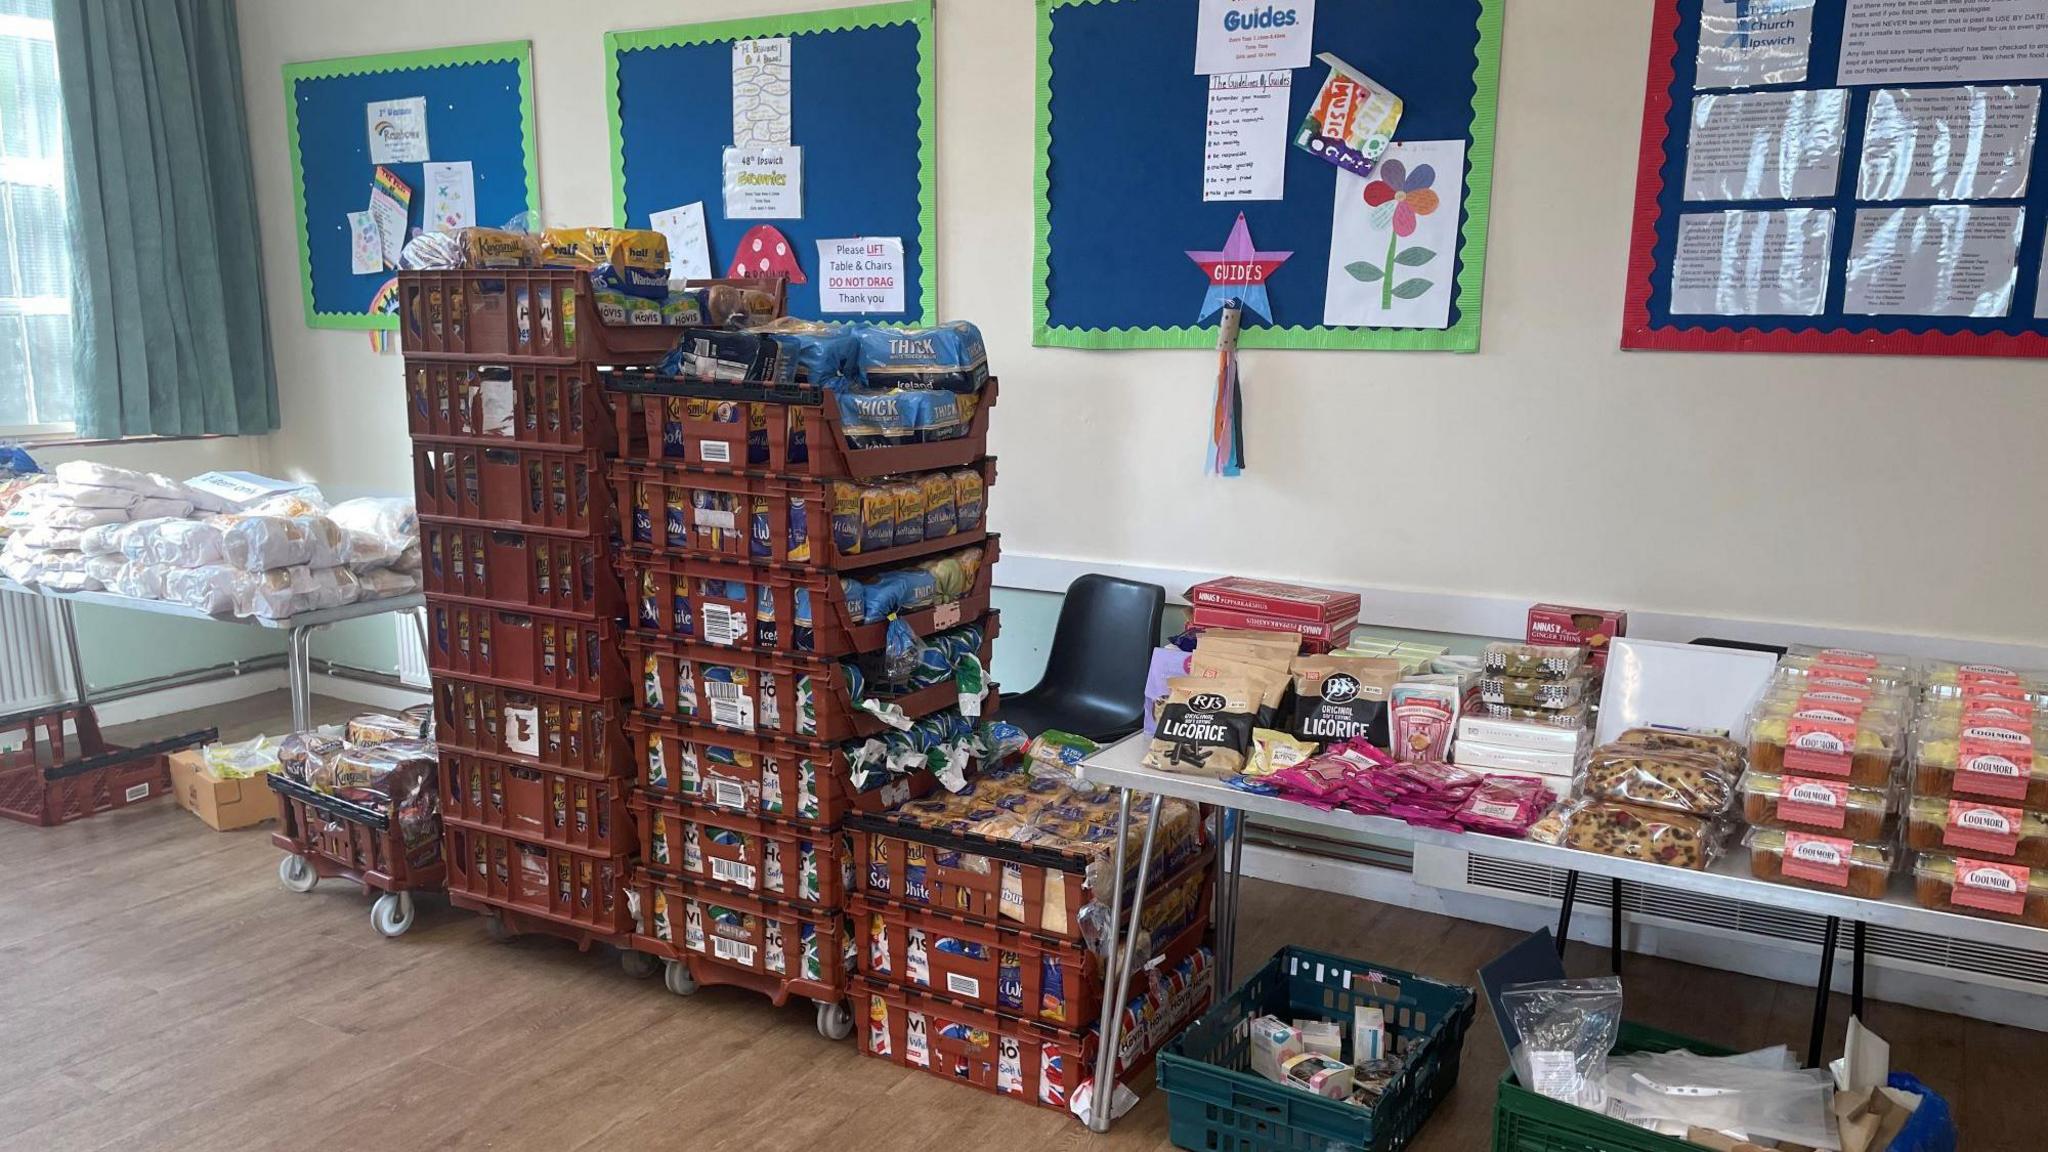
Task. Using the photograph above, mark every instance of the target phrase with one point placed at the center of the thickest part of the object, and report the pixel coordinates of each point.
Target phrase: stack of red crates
(975, 963)
(510, 443)
(734, 645)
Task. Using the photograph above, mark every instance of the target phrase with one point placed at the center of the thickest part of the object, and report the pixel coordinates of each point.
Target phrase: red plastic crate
(788, 862)
(357, 843)
(538, 405)
(561, 808)
(1035, 889)
(522, 569)
(731, 604)
(528, 727)
(759, 519)
(771, 947)
(60, 769)
(529, 489)
(767, 693)
(795, 782)
(528, 313)
(715, 434)
(517, 648)
(562, 886)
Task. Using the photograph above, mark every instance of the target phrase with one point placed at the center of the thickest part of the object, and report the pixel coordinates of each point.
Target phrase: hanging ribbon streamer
(1226, 433)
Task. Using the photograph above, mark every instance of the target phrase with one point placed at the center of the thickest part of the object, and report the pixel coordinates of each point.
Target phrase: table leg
(1236, 891)
(1564, 910)
(67, 623)
(1225, 918)
(1098, 1110)
(1614, 943)
(1856, 971)
(301, 655)
(1820, 994)
(1113, 1015)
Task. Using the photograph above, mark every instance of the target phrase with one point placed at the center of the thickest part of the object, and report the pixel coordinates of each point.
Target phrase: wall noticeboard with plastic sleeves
(1842, 176)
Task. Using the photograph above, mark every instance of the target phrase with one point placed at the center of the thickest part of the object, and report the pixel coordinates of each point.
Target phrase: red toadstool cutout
(764, 252)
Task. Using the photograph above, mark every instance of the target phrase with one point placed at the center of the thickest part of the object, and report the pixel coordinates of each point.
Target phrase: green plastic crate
(1526, 1122)
(1216, 1103)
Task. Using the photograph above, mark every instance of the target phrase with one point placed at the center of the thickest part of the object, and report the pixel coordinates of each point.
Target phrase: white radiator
(33, 668)
(412, 655)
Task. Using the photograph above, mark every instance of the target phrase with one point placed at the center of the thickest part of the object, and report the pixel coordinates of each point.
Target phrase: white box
(1479, 754)
(1529, 734)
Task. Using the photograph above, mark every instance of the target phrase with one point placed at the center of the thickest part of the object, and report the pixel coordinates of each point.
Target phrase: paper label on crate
(964, 986)
(1819, 859)
(522, 729)
(1991, 887)
(731, 707)
(733, 952)
(732, 872)
(1819, 803)
(1820, 740)
(714, 451)
(728, 794)
(1982, 828)
(946, 615)
(723, 626)
(136, 792)
(714, 518)
(1555, 1074)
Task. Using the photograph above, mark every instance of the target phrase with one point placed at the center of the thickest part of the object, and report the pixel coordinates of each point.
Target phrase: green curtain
(171, 334)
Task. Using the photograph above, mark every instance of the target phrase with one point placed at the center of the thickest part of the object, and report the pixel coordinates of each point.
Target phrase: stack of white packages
(46, 544)
(280, 554)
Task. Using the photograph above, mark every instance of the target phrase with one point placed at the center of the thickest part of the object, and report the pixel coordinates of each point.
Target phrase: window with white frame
(35, 265)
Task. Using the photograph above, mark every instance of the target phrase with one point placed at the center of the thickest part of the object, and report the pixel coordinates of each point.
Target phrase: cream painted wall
(1891, 494)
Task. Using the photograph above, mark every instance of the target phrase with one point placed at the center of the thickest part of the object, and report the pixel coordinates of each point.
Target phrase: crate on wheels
(392, 853)
(1215, 1101)
(59, 768)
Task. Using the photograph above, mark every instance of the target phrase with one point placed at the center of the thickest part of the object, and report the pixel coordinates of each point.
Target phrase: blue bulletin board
(1872, 65)
(479, 108)
(861, 107)
(1123, 140)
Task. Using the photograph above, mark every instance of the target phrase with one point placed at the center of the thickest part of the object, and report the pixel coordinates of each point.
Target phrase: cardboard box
(1272, 598)
(1591, 628)
(225, 804)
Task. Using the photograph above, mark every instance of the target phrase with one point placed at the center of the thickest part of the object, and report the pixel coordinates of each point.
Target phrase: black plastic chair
(1094, 682)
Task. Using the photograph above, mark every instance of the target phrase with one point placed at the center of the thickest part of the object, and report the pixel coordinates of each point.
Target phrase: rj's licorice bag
(1205, 726)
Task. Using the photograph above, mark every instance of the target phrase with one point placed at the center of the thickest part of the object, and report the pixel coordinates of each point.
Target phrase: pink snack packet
(1506, 805)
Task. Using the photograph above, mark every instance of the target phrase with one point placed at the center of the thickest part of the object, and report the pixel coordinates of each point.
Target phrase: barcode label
(715, 517)
(732, 872)
(138, 792)
(723, 626)
(724, 690)
(733, 714)
(715, 451)
(729, 794)
(966, 986)
(732, 950)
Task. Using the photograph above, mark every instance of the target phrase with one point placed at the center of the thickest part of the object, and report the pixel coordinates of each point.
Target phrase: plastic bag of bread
(1728, 752)
(1632, 832)
(302, 756)
(209, 588)
(1661, 778)
(379, 728)
(87, 474)
(285, 592)
(384, 583)
(105, 567)
(377, 774)
(379, 530)
(139, 580)
(260, 543)
(185, 544)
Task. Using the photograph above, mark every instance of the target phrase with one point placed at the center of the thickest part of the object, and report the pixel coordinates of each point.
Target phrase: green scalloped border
(1460, 337)
(918, 12)
(517, 51)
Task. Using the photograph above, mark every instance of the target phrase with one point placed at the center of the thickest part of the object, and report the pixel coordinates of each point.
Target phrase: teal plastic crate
(1526, 1122)
(1216, 1103)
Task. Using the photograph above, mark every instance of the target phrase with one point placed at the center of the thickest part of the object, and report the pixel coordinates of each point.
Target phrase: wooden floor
(159, 990)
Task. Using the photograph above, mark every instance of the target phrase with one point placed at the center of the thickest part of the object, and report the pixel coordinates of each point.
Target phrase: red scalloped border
(1636, 332)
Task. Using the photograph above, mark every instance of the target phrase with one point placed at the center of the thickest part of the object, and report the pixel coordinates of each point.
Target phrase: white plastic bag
(90, 496)
(104, 540)
(158, 507)
(261, 543)
(137, 539)
(380, 529)
(50, 539)
(91, 475)
(68, 582)
(61, 516)
(285, 592)
(210, 588)
(186, 544)
(384, 583)
(141, 580)
(304, 502)
(106, 567)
